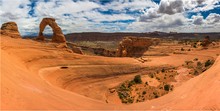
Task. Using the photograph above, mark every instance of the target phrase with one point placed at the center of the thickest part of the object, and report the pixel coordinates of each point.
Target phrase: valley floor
(38, 75)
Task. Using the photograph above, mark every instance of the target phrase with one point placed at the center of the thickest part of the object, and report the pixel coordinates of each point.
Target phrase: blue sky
(114, 15)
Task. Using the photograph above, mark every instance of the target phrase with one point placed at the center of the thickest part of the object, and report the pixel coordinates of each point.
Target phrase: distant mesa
(10, 29)
(135, 46)
(58, 35)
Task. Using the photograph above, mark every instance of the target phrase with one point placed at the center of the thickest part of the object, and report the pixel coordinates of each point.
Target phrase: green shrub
(194, 46)
(151, 75)
(130, 100)
(199, 64)
(157, 78)
(123, 88)
(166, 87)
(137, 79)
(208, 63)
(182, 49)
(146, 83)
(144, 92)
(196, 72)
(196, 59)
(188, 62)
(131, 83)
(163, 70)
(121, 95)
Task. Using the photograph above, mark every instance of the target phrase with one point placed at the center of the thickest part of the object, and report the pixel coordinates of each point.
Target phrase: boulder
(58, 35)
(135, 46)
(10, 29)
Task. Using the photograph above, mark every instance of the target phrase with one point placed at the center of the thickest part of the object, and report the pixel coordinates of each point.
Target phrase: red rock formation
(134, 46)
(75, 48)
(10, 29)
(57, 32)
(206, 41)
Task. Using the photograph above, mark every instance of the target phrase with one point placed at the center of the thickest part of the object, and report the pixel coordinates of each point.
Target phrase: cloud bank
(115, 15)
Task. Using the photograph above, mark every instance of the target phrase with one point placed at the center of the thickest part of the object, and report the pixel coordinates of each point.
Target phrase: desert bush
(163, 70)
(144, 92)
(121, 95)
(137, 79)
(151, 75)
(146, 83)
(123, 88)
(166, 87)
(182, 49)
(131, 83)
(194, 46)
(130, 100)
(157, 78)
(208, 63)
(199, 64)
(195, 59)
(196, 72)
(188, 62)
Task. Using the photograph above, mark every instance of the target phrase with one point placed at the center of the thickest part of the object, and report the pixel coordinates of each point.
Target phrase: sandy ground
(31, 78)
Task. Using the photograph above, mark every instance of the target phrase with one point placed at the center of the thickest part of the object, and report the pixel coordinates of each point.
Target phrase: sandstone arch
(58, 35)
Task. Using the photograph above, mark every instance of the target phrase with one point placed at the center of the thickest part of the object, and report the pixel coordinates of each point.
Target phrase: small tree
(208, 63)
(137, 79)
(166, 87)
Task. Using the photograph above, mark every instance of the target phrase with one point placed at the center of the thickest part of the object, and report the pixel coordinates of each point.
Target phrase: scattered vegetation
(137, 90)
(198, 67)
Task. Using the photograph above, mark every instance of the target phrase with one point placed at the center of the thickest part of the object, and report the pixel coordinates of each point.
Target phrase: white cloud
(171, 6)
(198, 20)
(149, 15)
(205, 5)
(120, 5)
(213, 18)
(63, 7)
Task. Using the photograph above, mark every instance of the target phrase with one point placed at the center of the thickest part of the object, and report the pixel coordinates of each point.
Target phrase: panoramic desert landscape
(98, 70)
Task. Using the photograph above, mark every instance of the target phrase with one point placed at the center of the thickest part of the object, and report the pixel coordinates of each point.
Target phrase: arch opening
(58, 35)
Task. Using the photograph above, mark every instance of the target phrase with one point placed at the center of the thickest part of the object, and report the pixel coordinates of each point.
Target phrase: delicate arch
(57, 32)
